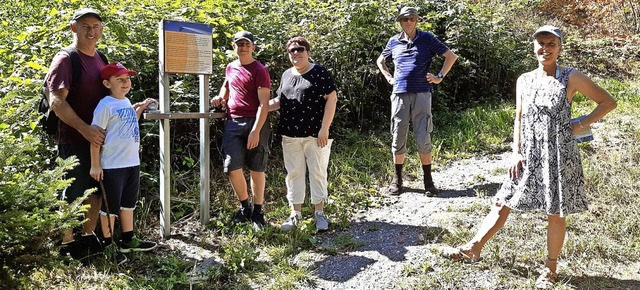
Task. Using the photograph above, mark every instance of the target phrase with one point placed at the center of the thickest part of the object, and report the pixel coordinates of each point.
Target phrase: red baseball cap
(115, 69)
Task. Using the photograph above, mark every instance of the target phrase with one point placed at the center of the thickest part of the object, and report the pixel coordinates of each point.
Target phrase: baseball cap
(548, 29)
(115, 69)
(243, 35)
(84, 12)
(408, 12)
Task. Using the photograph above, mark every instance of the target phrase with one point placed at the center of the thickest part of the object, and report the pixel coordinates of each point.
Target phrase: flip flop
(459, 255)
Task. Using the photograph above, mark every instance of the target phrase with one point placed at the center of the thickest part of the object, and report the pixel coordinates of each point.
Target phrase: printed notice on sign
(187, 47)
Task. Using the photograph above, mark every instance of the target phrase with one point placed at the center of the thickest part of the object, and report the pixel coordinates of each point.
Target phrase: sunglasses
(405, 19)
(299, 49)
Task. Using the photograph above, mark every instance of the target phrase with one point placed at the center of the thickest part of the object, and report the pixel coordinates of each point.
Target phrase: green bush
(347, 37)
(31, 211)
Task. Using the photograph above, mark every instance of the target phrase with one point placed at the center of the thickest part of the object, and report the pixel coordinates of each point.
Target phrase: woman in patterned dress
(545, 172)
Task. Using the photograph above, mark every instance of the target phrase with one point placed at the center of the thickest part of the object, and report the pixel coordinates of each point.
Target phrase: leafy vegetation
(472, 114)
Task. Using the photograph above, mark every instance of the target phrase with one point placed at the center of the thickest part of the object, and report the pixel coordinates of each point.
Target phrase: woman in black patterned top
(545, 172)
(307, 101)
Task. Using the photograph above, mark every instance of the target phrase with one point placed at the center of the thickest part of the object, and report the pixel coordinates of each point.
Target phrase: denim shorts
(234, 145)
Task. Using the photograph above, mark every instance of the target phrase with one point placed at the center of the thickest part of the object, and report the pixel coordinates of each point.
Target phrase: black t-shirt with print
(302, 101)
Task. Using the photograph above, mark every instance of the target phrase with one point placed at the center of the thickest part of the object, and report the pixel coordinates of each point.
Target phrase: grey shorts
(417, 109)
(234, 145)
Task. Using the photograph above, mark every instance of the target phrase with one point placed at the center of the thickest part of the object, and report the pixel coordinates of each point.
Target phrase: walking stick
(106, 204)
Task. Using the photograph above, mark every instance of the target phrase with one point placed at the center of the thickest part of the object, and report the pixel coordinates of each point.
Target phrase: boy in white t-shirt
(117, 163)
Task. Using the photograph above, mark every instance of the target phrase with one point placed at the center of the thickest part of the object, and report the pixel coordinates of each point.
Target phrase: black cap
(243, 35)
(82, 12)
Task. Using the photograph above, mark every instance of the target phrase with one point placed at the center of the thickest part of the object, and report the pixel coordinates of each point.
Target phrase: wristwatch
(440, 75)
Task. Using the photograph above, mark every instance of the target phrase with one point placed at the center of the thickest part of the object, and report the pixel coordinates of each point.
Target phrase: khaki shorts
(414, 107)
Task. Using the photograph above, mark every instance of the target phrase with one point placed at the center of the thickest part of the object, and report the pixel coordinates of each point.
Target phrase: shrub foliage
(490, 37)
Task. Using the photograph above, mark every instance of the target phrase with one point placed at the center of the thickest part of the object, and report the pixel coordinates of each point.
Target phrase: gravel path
(392, 237)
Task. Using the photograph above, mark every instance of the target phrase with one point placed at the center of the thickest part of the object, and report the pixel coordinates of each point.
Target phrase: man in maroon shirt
(246, 91)
(74, 104)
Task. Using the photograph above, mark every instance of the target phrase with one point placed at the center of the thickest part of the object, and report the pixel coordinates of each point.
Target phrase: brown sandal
(459, 255)
(547, 278)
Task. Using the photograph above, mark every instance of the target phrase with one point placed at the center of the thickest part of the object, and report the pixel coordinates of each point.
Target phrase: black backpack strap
(76, 63)
(103, 57)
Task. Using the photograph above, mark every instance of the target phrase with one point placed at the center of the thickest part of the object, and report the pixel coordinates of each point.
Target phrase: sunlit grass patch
(484, 128)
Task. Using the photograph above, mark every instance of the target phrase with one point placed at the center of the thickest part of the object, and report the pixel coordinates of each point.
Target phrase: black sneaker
(257, 218)
(137, 245)
(395, 188)
(243, 215)
(112, 253)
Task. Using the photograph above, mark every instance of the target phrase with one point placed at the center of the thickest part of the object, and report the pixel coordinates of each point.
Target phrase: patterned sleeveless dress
(552, 178)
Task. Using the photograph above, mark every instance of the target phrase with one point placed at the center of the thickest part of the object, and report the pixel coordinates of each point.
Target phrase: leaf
(34, 65)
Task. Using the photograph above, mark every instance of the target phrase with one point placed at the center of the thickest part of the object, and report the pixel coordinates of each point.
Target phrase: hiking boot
(431, 190)
(395, 188)
(322, 224)
(74, 250)
(243, 215)
(257, 218)
(137, 245)
(290, 223)
(84, 249)
(93, 244)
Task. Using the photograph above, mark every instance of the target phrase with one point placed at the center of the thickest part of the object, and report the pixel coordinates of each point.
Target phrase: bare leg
(92, 215)
(258, 180)
(425, 159)
(104, 223)
(319, 206)
(67, 236)
(239, 184)
(556, 232)
(126, 220)
(398, 159)
(491, 224)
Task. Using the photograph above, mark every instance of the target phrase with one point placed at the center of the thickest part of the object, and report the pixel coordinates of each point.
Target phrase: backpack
(49, 120)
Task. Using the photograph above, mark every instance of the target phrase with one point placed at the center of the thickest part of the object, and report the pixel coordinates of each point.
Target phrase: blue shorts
(234, 145)
(121, 186)
(83, 180)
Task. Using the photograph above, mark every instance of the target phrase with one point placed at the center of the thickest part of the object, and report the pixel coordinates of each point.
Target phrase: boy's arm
(141, 106)
(96, 169)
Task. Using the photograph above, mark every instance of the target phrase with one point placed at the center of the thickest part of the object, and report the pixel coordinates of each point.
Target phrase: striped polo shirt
(412, 60)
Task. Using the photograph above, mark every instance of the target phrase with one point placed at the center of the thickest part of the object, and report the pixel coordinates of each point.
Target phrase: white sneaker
(322, 224)
(290, 223)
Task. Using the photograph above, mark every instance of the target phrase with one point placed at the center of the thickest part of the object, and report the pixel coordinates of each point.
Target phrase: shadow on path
(594, 282)
(389, 240)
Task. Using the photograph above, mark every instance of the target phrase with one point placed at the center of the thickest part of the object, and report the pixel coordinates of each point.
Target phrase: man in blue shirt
(412, 51)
